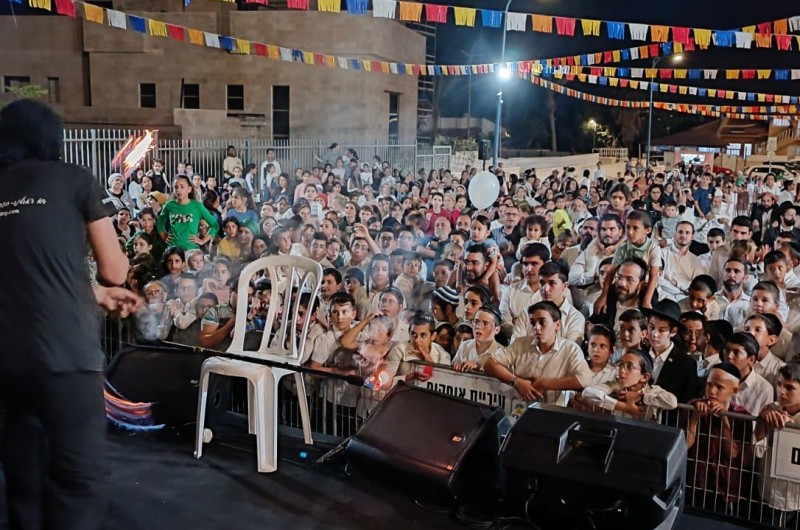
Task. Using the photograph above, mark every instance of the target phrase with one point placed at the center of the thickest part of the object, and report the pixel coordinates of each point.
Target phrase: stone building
(99, 76)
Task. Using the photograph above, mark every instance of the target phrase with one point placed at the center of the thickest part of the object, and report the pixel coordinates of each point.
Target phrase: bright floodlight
(504, 73)
(677, 58)
(592, 123)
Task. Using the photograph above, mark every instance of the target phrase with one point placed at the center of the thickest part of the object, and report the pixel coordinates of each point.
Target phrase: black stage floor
(155, 484)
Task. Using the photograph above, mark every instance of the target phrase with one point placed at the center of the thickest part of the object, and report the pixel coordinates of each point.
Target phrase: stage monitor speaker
(484, 149)
(434, 446)
(604, 471)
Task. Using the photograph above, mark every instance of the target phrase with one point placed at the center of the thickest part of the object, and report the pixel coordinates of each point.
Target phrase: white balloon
(484, 188)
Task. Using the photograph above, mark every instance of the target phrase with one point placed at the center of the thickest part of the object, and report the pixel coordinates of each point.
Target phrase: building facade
(99, 76)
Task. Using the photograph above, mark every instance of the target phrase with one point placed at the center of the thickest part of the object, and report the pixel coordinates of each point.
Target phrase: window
(280, 112)
(191, 96)
(394, 115)
(147, 95)
(235, 97)
(53, 90)
(15, 81)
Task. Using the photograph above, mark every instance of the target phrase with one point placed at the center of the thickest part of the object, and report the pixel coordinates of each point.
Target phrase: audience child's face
(174, 264)
(777, 271)
(630, 334)
(342, 316)
(721, 386)
(140, 246)
(671, 210)
(440, 275)
(421, 338)
(553, 289)
(788, 393)
(221, 274)
(699, 299)
(484, 327)
(411, 267)
(736, 354)
(196, 262)
(472, 302)
(544, 328)
(762, 301)
(460, 337)
(636, 231)
(599, 350)
(618, 200)
(660, 333)
(479, 232)
(390, 305)
(533, 232)
(231, 229)
(329, 286)
(630, 371)
(284, 242)
(758, 329)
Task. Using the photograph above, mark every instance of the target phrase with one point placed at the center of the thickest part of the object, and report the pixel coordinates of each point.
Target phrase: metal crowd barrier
(727, 472)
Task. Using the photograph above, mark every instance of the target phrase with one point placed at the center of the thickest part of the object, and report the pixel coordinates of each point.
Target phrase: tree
(27, 92)
(629, 122)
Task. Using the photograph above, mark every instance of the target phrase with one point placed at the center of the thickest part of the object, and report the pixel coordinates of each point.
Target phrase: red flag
(436, 13)
(260, 48)
(176, 32)
(66, 7)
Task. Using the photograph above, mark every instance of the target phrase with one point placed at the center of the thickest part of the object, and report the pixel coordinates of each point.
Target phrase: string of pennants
(144, 25)
(770, 34)
(759, 74)
(667, 88)
(738, 112)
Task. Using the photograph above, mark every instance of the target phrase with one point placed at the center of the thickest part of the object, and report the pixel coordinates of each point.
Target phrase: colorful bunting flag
(436, 13)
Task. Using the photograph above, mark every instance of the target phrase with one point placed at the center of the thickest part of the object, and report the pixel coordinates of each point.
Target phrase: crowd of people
(623, 293)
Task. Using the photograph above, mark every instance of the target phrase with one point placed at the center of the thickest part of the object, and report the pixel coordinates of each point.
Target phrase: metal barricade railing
(728, 472)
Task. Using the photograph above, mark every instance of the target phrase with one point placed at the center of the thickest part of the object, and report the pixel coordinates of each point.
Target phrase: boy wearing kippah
(755, 392)
(716, 458)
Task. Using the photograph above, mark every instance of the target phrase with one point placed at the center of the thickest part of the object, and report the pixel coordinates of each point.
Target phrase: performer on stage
(51, 365)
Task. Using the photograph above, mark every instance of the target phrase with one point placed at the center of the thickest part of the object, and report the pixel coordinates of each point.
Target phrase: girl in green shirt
(184, 214)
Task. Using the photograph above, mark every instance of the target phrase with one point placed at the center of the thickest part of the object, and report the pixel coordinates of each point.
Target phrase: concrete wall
(324, 101)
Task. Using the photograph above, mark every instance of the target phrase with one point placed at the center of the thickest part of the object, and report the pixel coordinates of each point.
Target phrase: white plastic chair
(289, 275)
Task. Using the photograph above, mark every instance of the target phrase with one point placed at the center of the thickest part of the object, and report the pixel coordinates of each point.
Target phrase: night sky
(524, 109)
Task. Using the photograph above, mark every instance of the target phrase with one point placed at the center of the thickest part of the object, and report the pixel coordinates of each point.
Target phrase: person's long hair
(29, 130)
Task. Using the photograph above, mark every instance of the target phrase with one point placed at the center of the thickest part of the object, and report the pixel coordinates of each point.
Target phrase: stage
(155, 483)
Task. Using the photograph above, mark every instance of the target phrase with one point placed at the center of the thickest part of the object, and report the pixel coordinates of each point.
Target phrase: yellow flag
(196, 37)
(243, 46)
(93, 13)
(156, 28)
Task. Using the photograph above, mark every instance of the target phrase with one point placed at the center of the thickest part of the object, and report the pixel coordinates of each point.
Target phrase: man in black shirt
(51, 380)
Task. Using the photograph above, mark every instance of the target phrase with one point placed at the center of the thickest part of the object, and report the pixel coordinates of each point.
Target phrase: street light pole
(656, 60)
(501, 75)
(593, 124)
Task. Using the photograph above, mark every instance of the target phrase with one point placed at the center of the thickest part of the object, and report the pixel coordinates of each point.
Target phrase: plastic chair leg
(202, 399)
(252, 418)
(267, 435)
(303, 401)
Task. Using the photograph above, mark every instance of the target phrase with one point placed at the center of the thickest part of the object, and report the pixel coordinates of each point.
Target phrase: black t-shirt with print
(49, 321)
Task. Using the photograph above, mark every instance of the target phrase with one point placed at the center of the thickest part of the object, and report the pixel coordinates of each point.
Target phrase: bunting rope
(155, 28)
(771, 34)
(667, 88)
(760, 74)
(747, 113)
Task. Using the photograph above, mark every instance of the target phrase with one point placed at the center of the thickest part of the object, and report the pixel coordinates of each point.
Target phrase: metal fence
(95, 149)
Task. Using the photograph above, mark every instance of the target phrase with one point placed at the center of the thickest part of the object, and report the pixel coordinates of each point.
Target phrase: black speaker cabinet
(432, 446)
(565, 465)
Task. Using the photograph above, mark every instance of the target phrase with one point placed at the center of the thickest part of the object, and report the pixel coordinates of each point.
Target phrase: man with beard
(526, 292)
(785, 223)
(588, 232)
(584, 269)
(627, 289)
(732, 294)
(680, 265)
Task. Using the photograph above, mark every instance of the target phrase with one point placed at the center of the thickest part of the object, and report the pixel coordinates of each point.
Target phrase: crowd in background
(623, 293)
